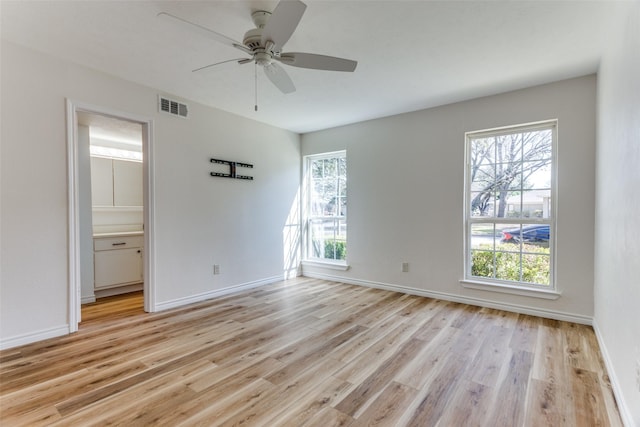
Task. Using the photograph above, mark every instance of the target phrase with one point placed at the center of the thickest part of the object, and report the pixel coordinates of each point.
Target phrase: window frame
(309, 217)
(549, 291)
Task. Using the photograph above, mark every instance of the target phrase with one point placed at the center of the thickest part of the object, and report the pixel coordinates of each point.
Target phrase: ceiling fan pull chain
(255, 73)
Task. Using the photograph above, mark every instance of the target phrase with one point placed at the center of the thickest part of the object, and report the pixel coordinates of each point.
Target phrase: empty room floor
(309, 352)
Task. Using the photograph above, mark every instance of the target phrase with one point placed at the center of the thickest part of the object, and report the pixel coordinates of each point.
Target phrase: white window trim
(496, 285)
(307, 260)
(331, 265)
(511, 289)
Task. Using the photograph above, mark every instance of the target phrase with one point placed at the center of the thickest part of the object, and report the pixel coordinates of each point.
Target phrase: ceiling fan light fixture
(263, 58)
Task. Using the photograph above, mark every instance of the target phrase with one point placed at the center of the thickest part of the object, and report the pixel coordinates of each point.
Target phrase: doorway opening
(110, 206)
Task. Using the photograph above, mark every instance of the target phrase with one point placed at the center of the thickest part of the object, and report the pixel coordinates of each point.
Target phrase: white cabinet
(117, 260)
(116, 182)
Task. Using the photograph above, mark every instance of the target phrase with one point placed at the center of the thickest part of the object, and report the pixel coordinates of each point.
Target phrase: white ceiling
(411, 54)
(112, 132)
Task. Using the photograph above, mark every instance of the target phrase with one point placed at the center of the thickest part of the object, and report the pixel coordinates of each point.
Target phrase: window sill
(342, 266)
(507, 289)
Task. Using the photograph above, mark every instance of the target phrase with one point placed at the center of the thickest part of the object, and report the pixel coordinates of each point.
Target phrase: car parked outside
(529, 233)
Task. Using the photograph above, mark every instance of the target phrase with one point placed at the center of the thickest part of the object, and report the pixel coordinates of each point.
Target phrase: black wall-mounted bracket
(232, 169)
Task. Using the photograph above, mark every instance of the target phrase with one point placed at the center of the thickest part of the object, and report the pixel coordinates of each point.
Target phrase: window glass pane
(537, 144)
(508, 149)
(482, 236)
(514, 205)
(535, 234)
(329, 167)
(482, 204)
(482, 177)
(342, 187)
(536, 269)
(482, 263)
(328, 239)
(317, 169)
(483, 151)
(342, 167)
(501, 198)
(536, 174)
(510, 233)
(536, 204)
(341, 234)
(316, 238)
(508, 266)
(343, 206)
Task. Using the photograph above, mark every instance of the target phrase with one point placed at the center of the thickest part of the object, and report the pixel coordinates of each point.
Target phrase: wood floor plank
(435, 397)
(329, 417)
(419, 371)
(309, 352)
(307, 359)
(375, 383)
(512, 389)
(309, 405)
(388, 407)
(547, 406)
(284, 395)
(494, 353)
(468, 406)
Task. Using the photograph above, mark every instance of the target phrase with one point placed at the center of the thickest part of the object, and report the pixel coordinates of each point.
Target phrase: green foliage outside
(335, 249)
(535, 268)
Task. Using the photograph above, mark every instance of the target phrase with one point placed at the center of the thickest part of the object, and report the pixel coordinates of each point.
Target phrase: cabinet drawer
(109, 243)
(115, 268)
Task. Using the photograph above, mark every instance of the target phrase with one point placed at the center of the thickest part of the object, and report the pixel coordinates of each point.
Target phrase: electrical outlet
(216, 269)
(405, 267)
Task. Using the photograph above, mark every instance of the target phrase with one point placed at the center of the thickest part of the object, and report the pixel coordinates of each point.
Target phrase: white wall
(85, 216)
(617, 256)
(200, 220)
(406, 184)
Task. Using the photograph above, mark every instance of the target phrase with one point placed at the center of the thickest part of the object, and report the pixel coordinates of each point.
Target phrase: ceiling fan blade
(317, 62)
(279, 78)
(221, 38)
(238, 60)
(283, 22)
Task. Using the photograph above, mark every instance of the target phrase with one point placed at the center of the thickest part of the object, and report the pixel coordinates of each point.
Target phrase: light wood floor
(309, 353)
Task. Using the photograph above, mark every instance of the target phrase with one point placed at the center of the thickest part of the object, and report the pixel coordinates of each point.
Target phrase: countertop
(118, 234)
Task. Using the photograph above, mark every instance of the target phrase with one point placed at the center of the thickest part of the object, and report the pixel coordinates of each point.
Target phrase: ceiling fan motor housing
(253, 39)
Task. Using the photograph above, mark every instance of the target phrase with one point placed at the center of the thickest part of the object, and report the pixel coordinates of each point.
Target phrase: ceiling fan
(264, 44)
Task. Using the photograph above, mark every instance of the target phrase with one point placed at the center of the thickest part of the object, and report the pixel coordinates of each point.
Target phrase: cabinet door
(101, 182)
(117, 267)
(127, 183)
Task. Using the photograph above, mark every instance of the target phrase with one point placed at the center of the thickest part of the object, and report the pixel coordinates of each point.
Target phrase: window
(510, 204)
(327, 207)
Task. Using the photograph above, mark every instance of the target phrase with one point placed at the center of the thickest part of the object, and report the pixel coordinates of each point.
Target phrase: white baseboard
(516, 308)
(34, 336)
(217, 293)
(625, 412)
(88, 299)
(118, 290)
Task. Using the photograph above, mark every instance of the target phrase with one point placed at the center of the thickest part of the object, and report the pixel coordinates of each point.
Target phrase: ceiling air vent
(173, 107)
